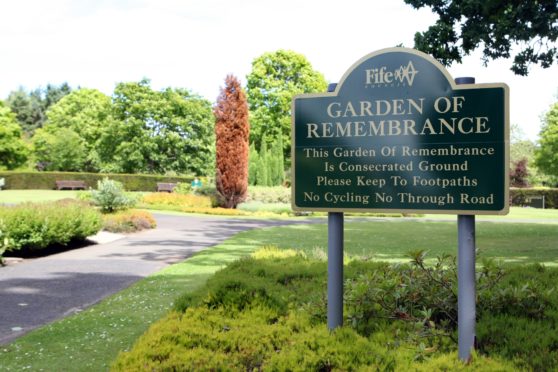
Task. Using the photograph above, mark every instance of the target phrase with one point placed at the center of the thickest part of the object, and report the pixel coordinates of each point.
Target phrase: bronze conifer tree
(231, 141)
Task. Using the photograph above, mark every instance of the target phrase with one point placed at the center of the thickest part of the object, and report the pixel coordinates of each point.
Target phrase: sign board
(398, 135)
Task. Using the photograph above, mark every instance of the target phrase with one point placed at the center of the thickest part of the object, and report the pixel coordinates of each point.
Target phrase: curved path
(39, 291)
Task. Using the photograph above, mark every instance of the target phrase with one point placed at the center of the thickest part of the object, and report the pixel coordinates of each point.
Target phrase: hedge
(47, 180)
(519, 197)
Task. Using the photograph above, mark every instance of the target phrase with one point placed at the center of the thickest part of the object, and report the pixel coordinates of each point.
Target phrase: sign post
(397, 134)
(466, 278)
(335, 237)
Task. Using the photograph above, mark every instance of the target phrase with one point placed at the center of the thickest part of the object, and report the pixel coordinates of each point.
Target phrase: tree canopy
(546, 156)
(58, 149)
(275, 78)
(31, 107)
(525, 29)
(13, 152)
(157, 131)
(86, 112)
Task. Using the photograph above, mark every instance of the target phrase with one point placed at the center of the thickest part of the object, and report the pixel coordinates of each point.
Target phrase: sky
(194, 44)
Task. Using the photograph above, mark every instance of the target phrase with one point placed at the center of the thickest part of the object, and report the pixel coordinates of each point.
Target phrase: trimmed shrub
(128, 221)
(254, 315)
(35, 226)
(110, 196)
(269, 194)
(519, 196)
(46, 180)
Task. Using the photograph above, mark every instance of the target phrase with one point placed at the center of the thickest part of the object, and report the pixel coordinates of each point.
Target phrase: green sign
(398, 135)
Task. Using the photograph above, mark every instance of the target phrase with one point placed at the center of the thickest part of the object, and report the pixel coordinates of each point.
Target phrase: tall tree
(30, 108)
(13, 152)
(546, 156)
(27, 108)
(58, 149)
(157, 131)
(232, 130)
(87, 112)
(253, 165)
(499, 27)
(54, 93)
(275, 78)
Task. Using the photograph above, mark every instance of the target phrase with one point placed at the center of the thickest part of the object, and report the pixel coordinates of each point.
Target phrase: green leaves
(139, 130)
(499, 27)
(13, 152)
(275, 79)
(158, 132)
(59, 149)
(110, 196)
(546, 156)
(34, 226)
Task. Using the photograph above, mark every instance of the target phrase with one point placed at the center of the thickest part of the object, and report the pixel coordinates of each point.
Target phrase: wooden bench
(72, 185)
(164, 186)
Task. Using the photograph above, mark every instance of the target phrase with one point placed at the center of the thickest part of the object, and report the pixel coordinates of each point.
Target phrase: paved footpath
(38, 291)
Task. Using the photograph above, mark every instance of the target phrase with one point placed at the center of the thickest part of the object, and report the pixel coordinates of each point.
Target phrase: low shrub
(128, 221)
(253, 315)
(269, 194)
(412, 303)
(256, 206)
(532, 344)
(5, 241)
(110, 196)
(183, 188)
(215, 210)
(35, 226)
(178, 200)
(260, 340)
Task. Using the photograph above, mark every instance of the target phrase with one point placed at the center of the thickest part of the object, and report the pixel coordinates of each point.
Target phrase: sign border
(454, 87)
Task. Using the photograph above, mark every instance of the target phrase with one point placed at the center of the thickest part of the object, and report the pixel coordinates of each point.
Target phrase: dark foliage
(519, 174)
(498, 26)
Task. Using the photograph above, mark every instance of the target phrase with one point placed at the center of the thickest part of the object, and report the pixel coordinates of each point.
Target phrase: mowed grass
(392, 240)
(515, 214)
(21, 196)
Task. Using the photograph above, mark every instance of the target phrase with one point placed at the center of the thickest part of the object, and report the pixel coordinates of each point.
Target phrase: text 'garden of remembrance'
(398, 134)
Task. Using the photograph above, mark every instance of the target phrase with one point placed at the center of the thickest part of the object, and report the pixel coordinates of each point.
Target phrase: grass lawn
(20, 196)
(391, 240)
(516, 213)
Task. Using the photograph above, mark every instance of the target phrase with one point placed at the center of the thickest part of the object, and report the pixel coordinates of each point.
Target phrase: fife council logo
(381, 77)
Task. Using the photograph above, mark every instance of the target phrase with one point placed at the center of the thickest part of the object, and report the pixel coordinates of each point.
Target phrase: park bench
(165, 186)
(72, 185)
